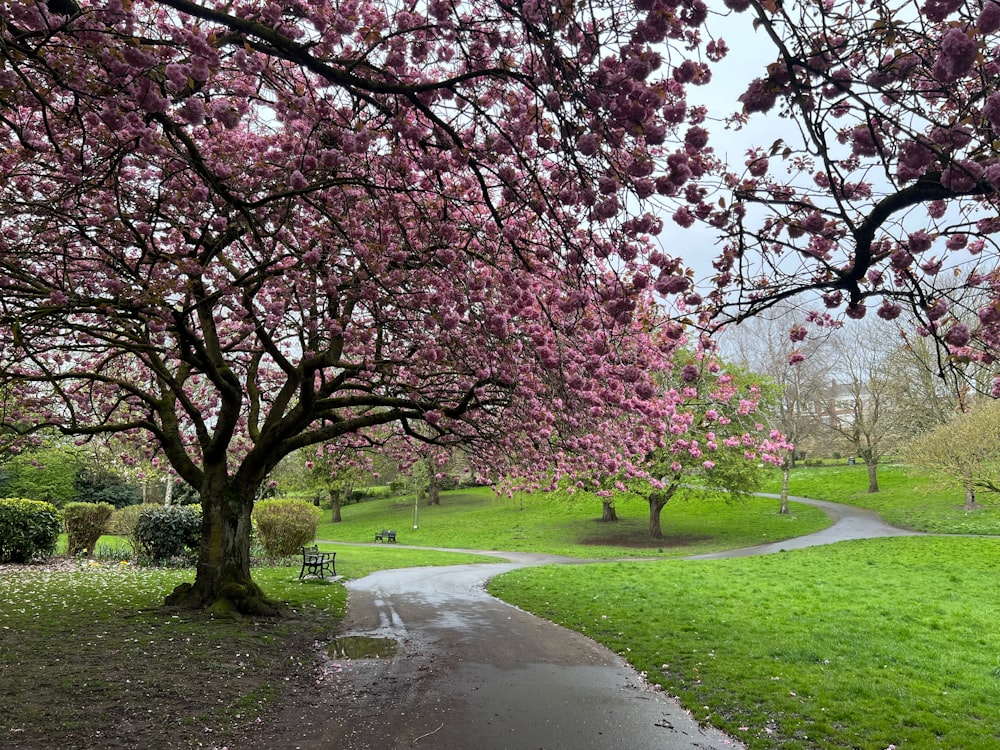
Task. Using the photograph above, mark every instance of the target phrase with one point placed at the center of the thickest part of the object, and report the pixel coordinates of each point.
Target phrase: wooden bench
(316, 563)
(385, 535)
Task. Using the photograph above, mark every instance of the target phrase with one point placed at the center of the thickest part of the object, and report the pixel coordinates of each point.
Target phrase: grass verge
(870, 644)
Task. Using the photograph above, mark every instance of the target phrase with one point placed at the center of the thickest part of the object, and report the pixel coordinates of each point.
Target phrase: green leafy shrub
(84, 524)
(285, 524)
(165, 532)
(28, 529)
(103, 486)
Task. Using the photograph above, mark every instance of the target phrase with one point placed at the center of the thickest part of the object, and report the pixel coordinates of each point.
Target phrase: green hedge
(28, 529)
(169, 531)
(85, 523)
(285, 525)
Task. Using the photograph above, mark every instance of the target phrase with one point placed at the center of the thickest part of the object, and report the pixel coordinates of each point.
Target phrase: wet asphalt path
(474, 673)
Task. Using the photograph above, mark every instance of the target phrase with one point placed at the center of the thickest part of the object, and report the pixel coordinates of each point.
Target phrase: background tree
(46, 471)
(965, 449)
(715, 445)
(881, 195)
(242, 230)
(798, 370)
(860, 407)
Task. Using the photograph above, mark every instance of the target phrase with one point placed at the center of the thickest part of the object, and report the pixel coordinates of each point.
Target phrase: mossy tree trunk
(970, 499)
(872, 466)
(222, 583)
(609, 514)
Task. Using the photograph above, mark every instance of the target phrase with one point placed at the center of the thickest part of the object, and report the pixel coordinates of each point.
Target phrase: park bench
(316, 563)
(385, 535)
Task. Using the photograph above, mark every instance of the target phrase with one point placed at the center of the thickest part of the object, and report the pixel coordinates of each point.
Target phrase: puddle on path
(362, 647)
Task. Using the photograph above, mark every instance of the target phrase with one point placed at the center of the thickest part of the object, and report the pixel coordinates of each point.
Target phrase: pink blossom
(889, 310)
(587, 144)
(796, 357)
(938, 10)
(957, 56)
(989, 17)
(696, 138)
(760, 96)
(865, 141)
(937, 310)
(958, 335)
(684, 217)
(919, 242)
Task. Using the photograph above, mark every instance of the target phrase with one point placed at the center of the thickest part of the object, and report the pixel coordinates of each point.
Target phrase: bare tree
(861, 403)
(763, 345)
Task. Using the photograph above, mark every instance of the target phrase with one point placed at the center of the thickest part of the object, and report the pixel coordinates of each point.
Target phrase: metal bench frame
(316, 563)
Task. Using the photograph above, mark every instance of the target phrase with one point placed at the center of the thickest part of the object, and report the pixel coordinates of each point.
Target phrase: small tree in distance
(965, 450)
(717, 443)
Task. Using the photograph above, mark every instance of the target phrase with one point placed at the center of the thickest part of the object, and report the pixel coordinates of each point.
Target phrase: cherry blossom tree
(236, 230)
(881, 195)
(716, 442)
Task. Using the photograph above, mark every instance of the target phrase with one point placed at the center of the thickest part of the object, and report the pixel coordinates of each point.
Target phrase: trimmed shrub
(28, 529)
(285, 525)
(167, 531)
(84, 524)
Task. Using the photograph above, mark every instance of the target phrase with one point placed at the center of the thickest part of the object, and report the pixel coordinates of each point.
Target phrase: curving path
(849, 522)
(474, 672)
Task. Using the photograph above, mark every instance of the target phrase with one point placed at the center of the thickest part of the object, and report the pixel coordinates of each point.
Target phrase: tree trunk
(970, 499)
(786, 470)
(610, 514)
(872, 476)
(222, 583)
(434, 489)
(656, 502)
(335, 503)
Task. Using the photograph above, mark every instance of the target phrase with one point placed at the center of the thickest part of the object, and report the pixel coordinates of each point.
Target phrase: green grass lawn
(570, 525)
(908, 497)
(870, 644)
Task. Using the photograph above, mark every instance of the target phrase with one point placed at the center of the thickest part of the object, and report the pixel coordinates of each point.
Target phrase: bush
(97, 485)
(84, 524)
(28, 529)
(167, 531)
(397, 487)
(285, 525)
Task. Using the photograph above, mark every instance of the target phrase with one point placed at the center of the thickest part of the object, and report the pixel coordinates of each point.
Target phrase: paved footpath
(849, 522)
(474, 673)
